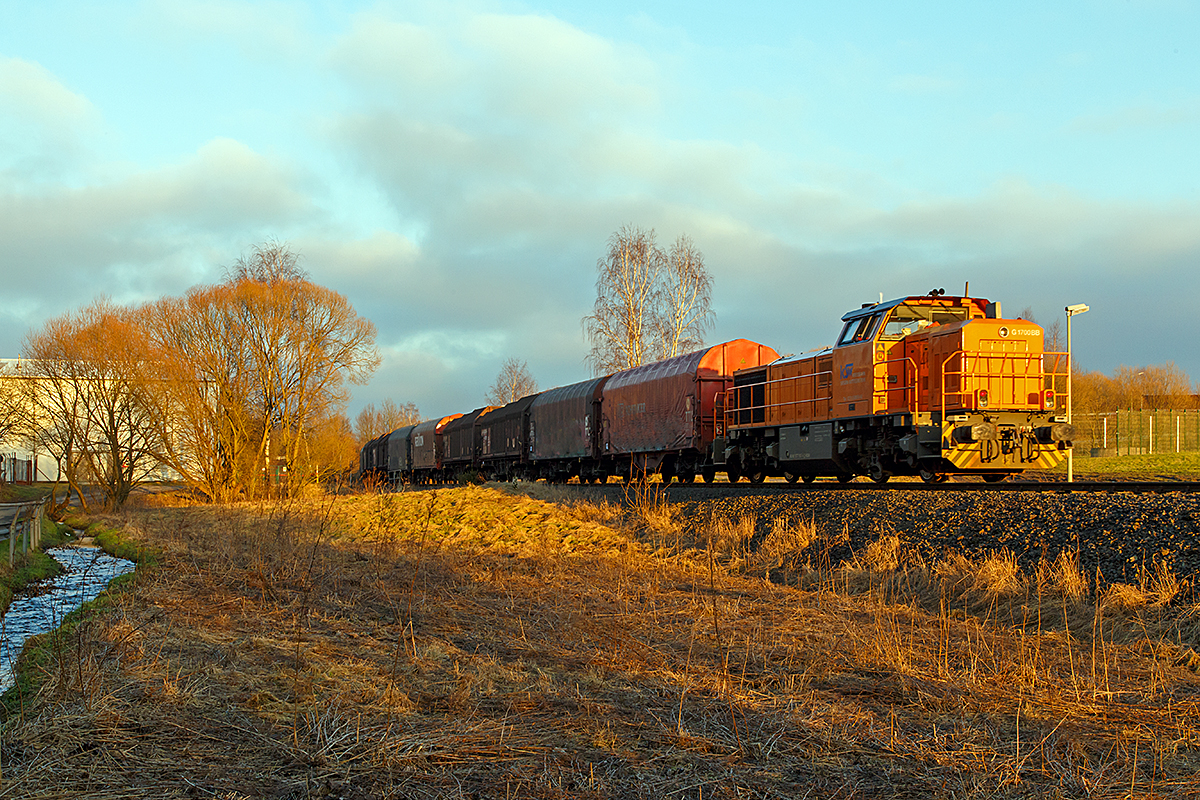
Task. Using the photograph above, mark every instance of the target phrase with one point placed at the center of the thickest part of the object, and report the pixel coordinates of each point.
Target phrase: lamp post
(1078, 308)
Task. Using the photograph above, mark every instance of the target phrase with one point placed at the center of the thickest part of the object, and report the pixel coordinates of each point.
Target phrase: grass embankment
(1160, 466)
(472, 642)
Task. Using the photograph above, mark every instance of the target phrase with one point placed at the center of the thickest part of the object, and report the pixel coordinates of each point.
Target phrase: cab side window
(859, 330)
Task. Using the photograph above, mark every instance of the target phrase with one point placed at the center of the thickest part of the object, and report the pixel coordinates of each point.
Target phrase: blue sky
(455, 168)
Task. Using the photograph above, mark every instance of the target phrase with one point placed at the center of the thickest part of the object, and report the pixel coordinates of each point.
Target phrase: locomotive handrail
(1022, 373)
(732, 409)
(968, 380)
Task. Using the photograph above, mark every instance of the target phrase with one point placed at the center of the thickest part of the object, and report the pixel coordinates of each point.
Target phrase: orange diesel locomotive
(918, 386)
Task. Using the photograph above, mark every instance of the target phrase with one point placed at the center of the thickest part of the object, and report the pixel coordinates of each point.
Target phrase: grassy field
(1164, 465)
(16, 493)
(475, 642)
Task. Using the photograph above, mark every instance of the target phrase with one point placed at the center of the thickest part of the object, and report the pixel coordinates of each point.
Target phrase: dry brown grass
(475, 643)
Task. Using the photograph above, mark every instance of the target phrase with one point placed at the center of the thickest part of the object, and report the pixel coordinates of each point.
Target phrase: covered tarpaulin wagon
(562, 421)
(670, 405)
(399, 456)
(427, 443)
(459, 439)
(503, 433)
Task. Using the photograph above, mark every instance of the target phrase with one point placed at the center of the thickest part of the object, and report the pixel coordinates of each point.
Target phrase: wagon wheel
(709, 474)
(809, 478)
(845, 477)
(929, 476)
(758, 476)
(687, 477)
(733, 472)
(791, 477)
(995, 477)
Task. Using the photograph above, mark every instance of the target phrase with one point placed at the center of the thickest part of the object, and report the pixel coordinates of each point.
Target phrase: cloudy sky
(454, 168)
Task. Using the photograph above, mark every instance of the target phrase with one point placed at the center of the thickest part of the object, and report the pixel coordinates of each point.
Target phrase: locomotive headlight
(979, 432)
(1058, 432)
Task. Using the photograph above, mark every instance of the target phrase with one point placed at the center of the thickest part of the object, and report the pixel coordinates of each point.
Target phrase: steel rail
(1062, 487)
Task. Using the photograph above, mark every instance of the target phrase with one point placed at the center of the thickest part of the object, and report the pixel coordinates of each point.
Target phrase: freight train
(928, 385)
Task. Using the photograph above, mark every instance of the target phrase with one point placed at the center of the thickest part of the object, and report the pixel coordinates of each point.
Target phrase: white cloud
(44, 126)
(379, 51)
(142, 233)
(29, 90)
(542, 69)
(262, 31)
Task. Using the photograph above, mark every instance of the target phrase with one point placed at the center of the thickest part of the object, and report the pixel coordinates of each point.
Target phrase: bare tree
(269, 262)
(12, 404)
(622, 321)
(332, 450)
(90, 402)
(649, 305)
(1054, 339)
(513, 383)
(248, 368)
(686, 300)
(372, 422)
(1154, 386)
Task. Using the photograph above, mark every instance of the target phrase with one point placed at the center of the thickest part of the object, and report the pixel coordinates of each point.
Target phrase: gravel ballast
(1120, 533)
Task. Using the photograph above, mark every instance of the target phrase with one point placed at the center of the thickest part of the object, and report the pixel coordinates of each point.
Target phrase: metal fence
(1141, 432)
(25, 528)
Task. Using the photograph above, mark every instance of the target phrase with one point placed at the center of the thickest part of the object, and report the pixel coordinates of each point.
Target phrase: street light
(1078, 308)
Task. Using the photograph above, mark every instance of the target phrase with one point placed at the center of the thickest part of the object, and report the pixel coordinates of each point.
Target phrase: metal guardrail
(28, 517)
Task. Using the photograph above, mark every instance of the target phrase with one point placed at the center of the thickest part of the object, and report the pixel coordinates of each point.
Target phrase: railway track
(1155, 487)
(778, 486)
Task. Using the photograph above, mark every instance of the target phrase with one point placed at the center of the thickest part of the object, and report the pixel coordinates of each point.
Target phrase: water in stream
(88, 571)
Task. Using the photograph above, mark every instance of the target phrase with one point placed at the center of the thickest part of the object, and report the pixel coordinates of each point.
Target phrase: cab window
(859, 330)
(906, 319)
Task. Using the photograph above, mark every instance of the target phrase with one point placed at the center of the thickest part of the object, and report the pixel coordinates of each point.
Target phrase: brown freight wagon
(664, 416)
(399, 455)
(562, 432)
(427, 449)
(504, 440)
(460, 441)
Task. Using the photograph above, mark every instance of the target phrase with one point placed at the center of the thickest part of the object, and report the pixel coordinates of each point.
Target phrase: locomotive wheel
(792, 477)
(929, 476)
(709, 474)
(845, 477)
(687, 477)
(996, 477)
(758, 476)
(809, 478)
(733, 473)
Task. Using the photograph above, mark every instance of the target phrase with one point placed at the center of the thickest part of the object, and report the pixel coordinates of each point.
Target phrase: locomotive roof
(874, 308)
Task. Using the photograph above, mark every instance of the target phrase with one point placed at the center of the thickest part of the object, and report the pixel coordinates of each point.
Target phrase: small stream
(88, 571)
